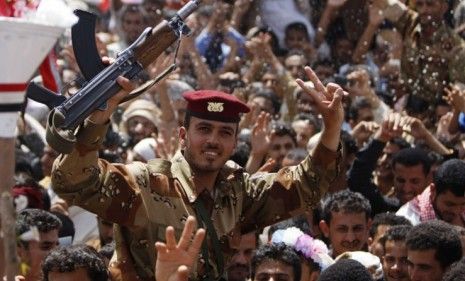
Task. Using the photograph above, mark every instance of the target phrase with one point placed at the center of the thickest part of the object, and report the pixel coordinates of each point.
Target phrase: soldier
(143, 199)
(433, 54)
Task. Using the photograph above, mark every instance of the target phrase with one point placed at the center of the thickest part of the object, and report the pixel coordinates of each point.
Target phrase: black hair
(450, 176)
(284, 129)
(69, 259)
(43, 220)
(412, 157)
(439, 236)
(346, 201)
(416, 105)
(107, 250)
(67, 226)
(357, 105)
(241, 154)
(400, 142)
(390, 219)
(395, 233)
(271, 96)
(310, 118)
(297, 26)
(346, 270)
(277, 252)
(456, 271)
(299, 221)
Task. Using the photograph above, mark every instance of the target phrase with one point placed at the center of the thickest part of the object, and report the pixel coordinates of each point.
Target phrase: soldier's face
(208, 144)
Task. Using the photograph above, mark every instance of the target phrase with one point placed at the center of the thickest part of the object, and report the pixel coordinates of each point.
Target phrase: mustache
(211, 146)
(239, 266)
(351, 245)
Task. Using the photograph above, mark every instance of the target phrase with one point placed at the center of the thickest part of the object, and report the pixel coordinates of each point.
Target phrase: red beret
(214, 105)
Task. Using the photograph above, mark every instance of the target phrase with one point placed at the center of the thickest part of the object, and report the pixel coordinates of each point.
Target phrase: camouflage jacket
(143, 199)
(428, 65)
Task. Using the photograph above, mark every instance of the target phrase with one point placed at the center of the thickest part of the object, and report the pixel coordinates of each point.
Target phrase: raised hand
(390, 128)
(176, 259)
(167, 143)
(375, 15)
(363, 131)
(414, 127)
(268, 167)
(102, 116)
(328, 99)
(328, 102)
(455, 97)
(260, 137)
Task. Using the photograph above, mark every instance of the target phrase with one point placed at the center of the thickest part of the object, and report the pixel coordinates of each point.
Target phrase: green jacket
(143, 199)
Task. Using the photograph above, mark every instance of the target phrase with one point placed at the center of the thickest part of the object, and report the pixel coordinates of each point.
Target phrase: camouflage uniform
(143, 199)
(428, 65)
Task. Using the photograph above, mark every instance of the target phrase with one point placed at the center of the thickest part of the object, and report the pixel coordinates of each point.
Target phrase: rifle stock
(65, 118)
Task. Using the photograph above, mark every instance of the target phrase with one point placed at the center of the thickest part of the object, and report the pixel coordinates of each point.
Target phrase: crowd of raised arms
(296, 140)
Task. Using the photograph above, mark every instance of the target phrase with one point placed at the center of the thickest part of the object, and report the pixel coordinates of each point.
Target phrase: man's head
(346, 270)
(209, 134)
(154, 9)
(342, 49)
(266, 101)
(448, 191)
(295, 63)
(410, 167)
(74, 263)
(324, 69)
(30, 251)
(431, 12)
(305, 103)
(296, 35)
(133, 21)
(395, 263)
(140, 120)
(305, 126)
(346, 221)
(431, 248)
(283, 139)
(383, 166)
(360, 110)
(276, 262)
(382, 223)
(238, 268)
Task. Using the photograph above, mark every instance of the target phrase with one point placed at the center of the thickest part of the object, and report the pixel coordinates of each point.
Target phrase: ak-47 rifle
(101, 85)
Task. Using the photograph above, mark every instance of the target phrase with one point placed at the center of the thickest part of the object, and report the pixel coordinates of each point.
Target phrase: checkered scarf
(422, 203)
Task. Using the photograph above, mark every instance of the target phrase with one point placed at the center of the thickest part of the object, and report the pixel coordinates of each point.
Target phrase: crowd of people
(296, 140)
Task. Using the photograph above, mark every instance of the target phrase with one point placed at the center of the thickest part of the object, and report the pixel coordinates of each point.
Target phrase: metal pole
(7, 212)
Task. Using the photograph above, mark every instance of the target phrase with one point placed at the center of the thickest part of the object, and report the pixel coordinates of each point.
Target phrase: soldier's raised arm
(272, 197)
(108, 190)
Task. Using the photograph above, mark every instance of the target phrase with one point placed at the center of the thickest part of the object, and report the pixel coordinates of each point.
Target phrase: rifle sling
(147, 85)
(204, 220)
